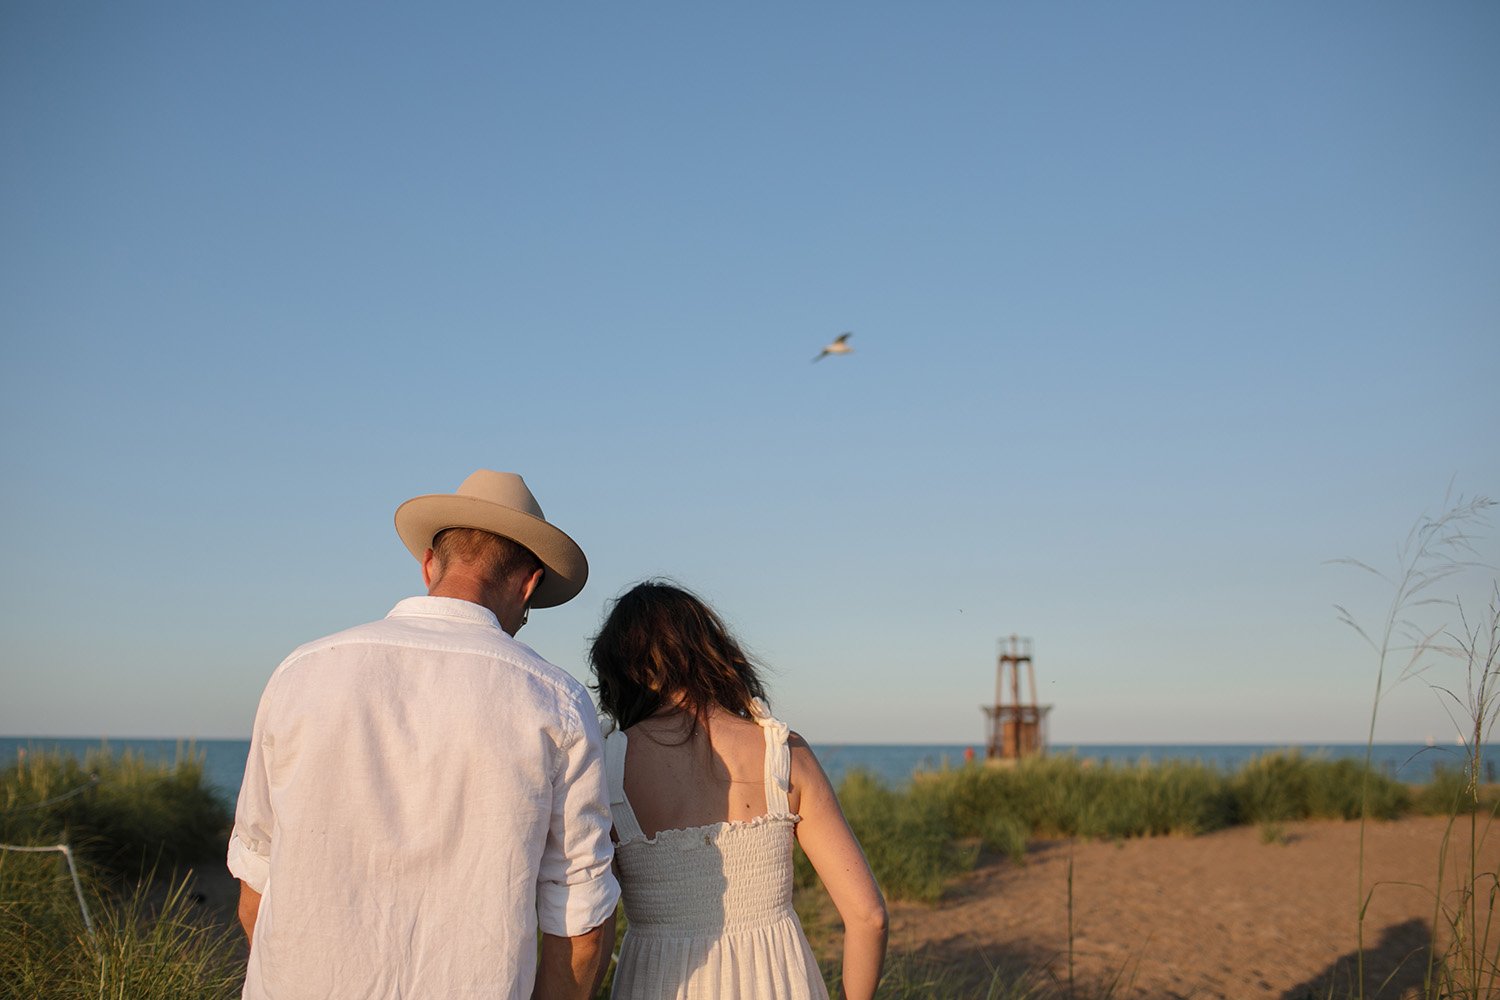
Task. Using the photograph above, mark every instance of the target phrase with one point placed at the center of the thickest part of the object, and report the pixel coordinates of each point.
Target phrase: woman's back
(679, 775)
(705, 830)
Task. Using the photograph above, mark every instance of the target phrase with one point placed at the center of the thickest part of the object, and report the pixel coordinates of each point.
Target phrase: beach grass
(124, 815)
(1463, 957)
(912, 851)
(140, 945)
(1277, 787)
(128, 928)
(1065, 796)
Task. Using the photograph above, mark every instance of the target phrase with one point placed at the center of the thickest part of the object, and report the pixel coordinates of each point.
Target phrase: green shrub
(1276, 787)
(910, 848)
(1449, 793)
(1064, 796)
(1185, 798)
(121, 813)
(1006, 835)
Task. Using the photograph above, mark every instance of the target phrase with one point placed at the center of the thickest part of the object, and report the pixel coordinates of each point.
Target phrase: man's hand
(570, 968)
(249, 910)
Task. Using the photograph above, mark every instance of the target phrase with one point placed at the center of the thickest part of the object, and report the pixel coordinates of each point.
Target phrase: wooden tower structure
(1016, 729)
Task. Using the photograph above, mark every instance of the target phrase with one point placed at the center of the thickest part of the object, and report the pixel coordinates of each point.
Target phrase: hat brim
(420, 518)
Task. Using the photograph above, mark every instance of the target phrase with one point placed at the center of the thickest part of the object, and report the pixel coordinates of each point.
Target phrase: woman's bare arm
(835, 855)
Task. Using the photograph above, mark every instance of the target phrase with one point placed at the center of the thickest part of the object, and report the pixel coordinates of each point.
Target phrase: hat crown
(504, 488)
(500, 503)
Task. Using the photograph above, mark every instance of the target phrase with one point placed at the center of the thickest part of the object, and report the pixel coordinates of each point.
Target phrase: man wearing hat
(424, 793)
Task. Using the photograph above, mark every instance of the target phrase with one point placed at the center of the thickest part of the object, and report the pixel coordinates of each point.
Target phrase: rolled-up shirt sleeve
(250, 842)
(576, 886)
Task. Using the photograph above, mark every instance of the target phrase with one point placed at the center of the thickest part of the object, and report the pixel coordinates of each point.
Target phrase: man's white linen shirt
(422, 793)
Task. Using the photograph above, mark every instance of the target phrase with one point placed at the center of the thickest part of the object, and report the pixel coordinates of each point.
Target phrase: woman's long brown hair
(660, 640)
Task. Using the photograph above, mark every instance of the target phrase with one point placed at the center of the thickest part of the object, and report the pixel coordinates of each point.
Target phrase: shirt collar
(450, 608)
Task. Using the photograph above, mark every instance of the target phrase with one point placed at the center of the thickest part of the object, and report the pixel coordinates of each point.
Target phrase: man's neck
(463, 588)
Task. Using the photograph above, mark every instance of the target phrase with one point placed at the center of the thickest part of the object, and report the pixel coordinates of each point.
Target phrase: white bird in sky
(840, 345)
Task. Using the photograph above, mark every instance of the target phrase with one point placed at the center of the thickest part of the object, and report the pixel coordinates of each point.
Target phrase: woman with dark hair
(707, 791)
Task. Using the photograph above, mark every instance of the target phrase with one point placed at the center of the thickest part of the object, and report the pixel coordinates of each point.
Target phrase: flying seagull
(840, 345)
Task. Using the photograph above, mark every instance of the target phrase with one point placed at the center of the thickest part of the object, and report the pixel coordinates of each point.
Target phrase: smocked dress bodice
(710, 907)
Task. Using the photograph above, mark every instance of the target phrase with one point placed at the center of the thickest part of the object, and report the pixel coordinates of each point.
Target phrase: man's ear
(430, 568)
(531, 583)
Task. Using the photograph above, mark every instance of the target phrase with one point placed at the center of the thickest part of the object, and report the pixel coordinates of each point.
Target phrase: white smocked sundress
(710, 907)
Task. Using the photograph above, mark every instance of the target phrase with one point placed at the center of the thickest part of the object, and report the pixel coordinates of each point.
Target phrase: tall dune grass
(127, 820)
(912, 852)
(1285, 786)
(1469, 965)
(1464, 956)
(124, 815)
(1068, 797)
(139, 949)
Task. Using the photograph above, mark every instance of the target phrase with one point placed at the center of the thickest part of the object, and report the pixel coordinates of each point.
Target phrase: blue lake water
(224, 760)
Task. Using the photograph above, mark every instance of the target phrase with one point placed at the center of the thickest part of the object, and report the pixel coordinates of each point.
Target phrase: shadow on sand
(1394, 968)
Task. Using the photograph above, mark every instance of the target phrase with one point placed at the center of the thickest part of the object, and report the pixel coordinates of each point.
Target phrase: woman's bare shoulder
(806, 769)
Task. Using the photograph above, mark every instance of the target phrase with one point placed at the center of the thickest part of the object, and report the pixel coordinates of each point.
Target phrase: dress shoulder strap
(778, 767)
(626, 826)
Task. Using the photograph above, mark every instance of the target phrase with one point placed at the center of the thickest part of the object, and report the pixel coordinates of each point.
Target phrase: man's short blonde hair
(491, 556)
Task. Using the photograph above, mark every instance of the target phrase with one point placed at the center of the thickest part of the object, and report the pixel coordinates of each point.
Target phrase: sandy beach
(1222, 915)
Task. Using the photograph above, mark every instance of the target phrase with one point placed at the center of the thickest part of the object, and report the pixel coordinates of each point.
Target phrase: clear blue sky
(1156, 308)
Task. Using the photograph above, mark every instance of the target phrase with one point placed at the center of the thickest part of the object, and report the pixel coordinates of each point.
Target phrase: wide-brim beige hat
(499, 502)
